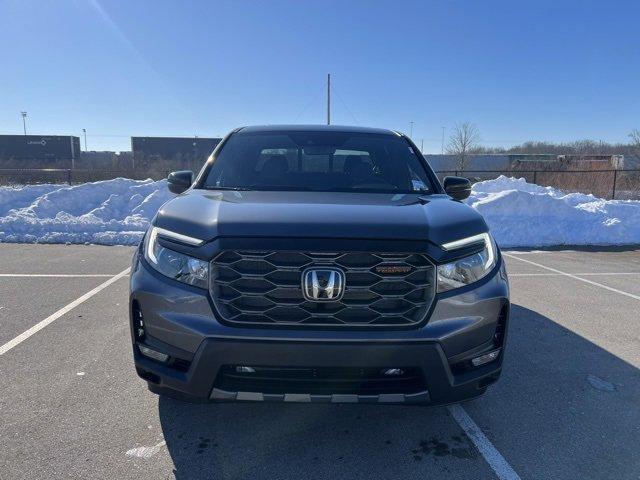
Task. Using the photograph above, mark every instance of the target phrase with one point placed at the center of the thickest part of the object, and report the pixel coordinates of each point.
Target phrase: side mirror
(180, 181)
(457, 187)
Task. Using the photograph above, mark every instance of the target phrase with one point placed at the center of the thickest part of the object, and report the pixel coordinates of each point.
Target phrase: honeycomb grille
(264, 288)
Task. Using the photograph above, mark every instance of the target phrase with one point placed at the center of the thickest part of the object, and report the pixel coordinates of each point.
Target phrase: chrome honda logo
(323, 284)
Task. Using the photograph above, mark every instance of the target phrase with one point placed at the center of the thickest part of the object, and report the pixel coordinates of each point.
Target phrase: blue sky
(545, 70)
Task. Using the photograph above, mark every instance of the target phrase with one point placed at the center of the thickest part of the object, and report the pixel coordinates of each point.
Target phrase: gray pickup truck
(318, 264)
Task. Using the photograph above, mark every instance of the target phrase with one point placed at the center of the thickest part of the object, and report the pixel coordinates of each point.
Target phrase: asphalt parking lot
(71, 406)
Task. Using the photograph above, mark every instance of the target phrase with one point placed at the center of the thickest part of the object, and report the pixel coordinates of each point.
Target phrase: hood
(211, 214)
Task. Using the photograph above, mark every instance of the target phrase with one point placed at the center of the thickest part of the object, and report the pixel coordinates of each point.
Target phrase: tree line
(465, 139)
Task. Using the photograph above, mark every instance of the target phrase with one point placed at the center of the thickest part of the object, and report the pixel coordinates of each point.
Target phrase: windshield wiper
(280, 188)
(237, 189)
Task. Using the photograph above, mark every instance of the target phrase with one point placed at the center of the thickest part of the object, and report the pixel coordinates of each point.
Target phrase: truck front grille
(265, 288)
(320, 380)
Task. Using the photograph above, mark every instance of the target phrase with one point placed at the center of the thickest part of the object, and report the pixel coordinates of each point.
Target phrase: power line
(344, 104)
(312, 99)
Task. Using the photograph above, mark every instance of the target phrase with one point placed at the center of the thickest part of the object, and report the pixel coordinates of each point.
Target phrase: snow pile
(522, 214)
(113, 212)
(118, 211)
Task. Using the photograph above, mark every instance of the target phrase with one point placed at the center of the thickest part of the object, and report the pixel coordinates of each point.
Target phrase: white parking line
(51, 318)
(494, 458)
(570, 275)
(586, 274)
(55, 275)
(145, 452)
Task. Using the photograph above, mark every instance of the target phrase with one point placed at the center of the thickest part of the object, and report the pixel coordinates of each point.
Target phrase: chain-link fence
(610, 184)
(618, 184)
(28, 176)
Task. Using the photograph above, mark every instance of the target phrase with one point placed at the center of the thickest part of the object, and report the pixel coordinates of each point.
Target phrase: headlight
(468, 269)
(172, 264)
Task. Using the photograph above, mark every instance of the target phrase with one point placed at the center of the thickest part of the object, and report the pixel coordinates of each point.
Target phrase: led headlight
(176, 265)
(468, 269)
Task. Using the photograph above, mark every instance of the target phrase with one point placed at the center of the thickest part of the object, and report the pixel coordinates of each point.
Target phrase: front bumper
(179, 321)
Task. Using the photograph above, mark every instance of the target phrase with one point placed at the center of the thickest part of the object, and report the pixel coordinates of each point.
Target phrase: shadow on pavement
(563, 409)
(270, 440)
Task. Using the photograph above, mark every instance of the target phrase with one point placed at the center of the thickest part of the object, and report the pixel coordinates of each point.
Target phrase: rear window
(318, 161)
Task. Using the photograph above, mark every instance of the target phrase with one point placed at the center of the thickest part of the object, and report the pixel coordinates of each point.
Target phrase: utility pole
(73, 157)
(411, 130)
(443, 128)
(24, 122)
(328, 99)
(422, 146)
(84, 130)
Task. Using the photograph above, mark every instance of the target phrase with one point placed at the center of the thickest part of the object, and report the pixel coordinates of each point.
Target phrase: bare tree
(464, 138)
(635, 140)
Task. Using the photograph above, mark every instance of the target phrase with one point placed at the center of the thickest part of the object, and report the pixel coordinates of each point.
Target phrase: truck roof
(314, 128)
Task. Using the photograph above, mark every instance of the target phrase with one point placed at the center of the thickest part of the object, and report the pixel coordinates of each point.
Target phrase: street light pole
(328, 99)
(84, 130)
(24, 122)
(411, 130)
(442, 140)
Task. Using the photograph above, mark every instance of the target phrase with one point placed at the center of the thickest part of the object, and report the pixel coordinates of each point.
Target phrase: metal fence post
(615, 178)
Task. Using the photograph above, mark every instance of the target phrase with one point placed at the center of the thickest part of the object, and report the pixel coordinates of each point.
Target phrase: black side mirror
(457, 187)
(180, 181)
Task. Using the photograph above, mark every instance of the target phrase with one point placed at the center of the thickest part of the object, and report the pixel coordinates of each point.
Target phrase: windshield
(318, 161)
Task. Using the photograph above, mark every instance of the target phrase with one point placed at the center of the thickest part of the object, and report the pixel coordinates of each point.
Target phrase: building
(474, 162)
(524, 162)
(170, 153)
(105, 160)
(38, 151)
(566, 162)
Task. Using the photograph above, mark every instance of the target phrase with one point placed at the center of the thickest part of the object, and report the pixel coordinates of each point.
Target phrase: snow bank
(521, 214)
(113, 212)
(117, 212)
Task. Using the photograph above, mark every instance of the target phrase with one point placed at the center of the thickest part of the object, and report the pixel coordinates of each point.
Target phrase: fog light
(393, 372)
(138, 322)
(242, 369)
(486, 358)
(148, 352)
